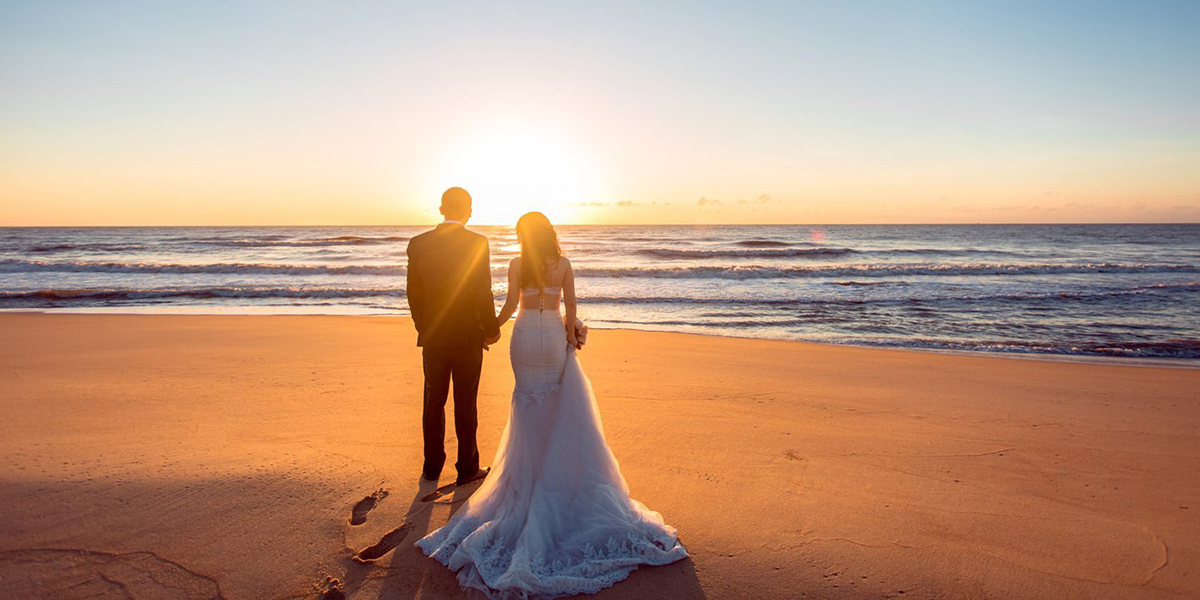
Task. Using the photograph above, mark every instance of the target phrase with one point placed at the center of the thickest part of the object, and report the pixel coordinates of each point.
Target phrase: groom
(450, 297)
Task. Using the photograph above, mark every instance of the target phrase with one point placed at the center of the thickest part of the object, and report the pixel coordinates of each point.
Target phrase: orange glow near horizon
(516, 168)
(575, 175)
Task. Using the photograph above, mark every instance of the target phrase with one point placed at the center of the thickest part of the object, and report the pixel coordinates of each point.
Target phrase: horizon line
(638, 224)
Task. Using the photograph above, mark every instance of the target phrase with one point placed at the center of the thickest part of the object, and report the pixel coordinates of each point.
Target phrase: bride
(554, 518)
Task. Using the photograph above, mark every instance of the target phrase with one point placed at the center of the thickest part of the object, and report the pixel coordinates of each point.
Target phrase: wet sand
(227, 456)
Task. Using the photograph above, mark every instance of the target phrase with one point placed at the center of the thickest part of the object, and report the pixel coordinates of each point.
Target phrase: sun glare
(514, 169)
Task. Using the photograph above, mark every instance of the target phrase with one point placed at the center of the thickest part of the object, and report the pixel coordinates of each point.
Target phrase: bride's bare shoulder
(565, 272)
(560, 267)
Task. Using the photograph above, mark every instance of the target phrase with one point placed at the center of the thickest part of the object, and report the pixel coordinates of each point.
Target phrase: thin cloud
(622, 203)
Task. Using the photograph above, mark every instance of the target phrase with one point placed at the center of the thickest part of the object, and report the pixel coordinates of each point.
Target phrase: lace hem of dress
(499, 572)
(535, 394)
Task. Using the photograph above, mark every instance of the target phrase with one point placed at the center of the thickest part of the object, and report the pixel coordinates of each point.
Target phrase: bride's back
(548, 296)
(538, 349)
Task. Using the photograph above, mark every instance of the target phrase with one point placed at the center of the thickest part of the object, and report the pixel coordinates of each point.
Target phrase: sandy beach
(222, 456)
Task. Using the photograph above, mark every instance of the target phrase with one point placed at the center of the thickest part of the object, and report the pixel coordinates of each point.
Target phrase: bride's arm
(513, 298)
(568, 289)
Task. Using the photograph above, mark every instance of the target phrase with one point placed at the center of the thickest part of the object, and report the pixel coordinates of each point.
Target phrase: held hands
(491, 340)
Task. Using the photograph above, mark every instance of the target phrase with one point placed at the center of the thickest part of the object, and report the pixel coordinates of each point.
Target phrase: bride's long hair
(539, 246)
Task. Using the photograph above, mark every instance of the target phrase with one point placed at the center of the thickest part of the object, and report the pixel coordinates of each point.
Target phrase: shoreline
(1135, 361)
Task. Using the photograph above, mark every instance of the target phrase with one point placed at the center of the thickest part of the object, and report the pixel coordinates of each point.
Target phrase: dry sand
(221, 456)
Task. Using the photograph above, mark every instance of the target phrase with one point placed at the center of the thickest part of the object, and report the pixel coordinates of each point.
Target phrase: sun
(516, 168)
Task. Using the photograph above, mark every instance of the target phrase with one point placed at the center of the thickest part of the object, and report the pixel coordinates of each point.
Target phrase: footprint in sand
(331, 589)
(394, 537)
(358, 514)
(385, 544)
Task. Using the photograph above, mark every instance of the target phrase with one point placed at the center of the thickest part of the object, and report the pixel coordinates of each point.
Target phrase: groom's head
(456, 204)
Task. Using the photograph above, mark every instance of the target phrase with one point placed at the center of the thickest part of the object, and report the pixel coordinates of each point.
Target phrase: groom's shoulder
(453, 236)
(422, 239)
(478, 237)
(417, 240)
(466, 236)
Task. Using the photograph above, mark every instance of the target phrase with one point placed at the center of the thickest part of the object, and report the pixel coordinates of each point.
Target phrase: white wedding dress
(554, 517)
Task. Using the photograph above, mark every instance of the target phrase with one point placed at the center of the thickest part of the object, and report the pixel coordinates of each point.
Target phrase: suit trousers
(460, 364)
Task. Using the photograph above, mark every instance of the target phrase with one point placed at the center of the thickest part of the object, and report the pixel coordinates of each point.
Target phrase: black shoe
(480, 474)
(427, 477)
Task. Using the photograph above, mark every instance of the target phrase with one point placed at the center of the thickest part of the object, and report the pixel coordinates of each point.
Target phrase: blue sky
(256, 112)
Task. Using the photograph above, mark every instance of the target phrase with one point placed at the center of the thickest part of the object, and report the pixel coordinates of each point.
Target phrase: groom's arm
(414, 290)
(482, 283)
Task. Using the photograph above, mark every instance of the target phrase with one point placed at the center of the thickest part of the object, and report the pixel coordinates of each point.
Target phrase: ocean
(1093, 290)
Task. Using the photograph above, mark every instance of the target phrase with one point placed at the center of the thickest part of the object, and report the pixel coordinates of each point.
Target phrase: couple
(554, 517)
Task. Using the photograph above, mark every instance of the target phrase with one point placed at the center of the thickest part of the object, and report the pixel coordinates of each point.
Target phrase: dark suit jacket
(450, 287)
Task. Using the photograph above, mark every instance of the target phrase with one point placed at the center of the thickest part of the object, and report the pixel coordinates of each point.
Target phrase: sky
(361, 113)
